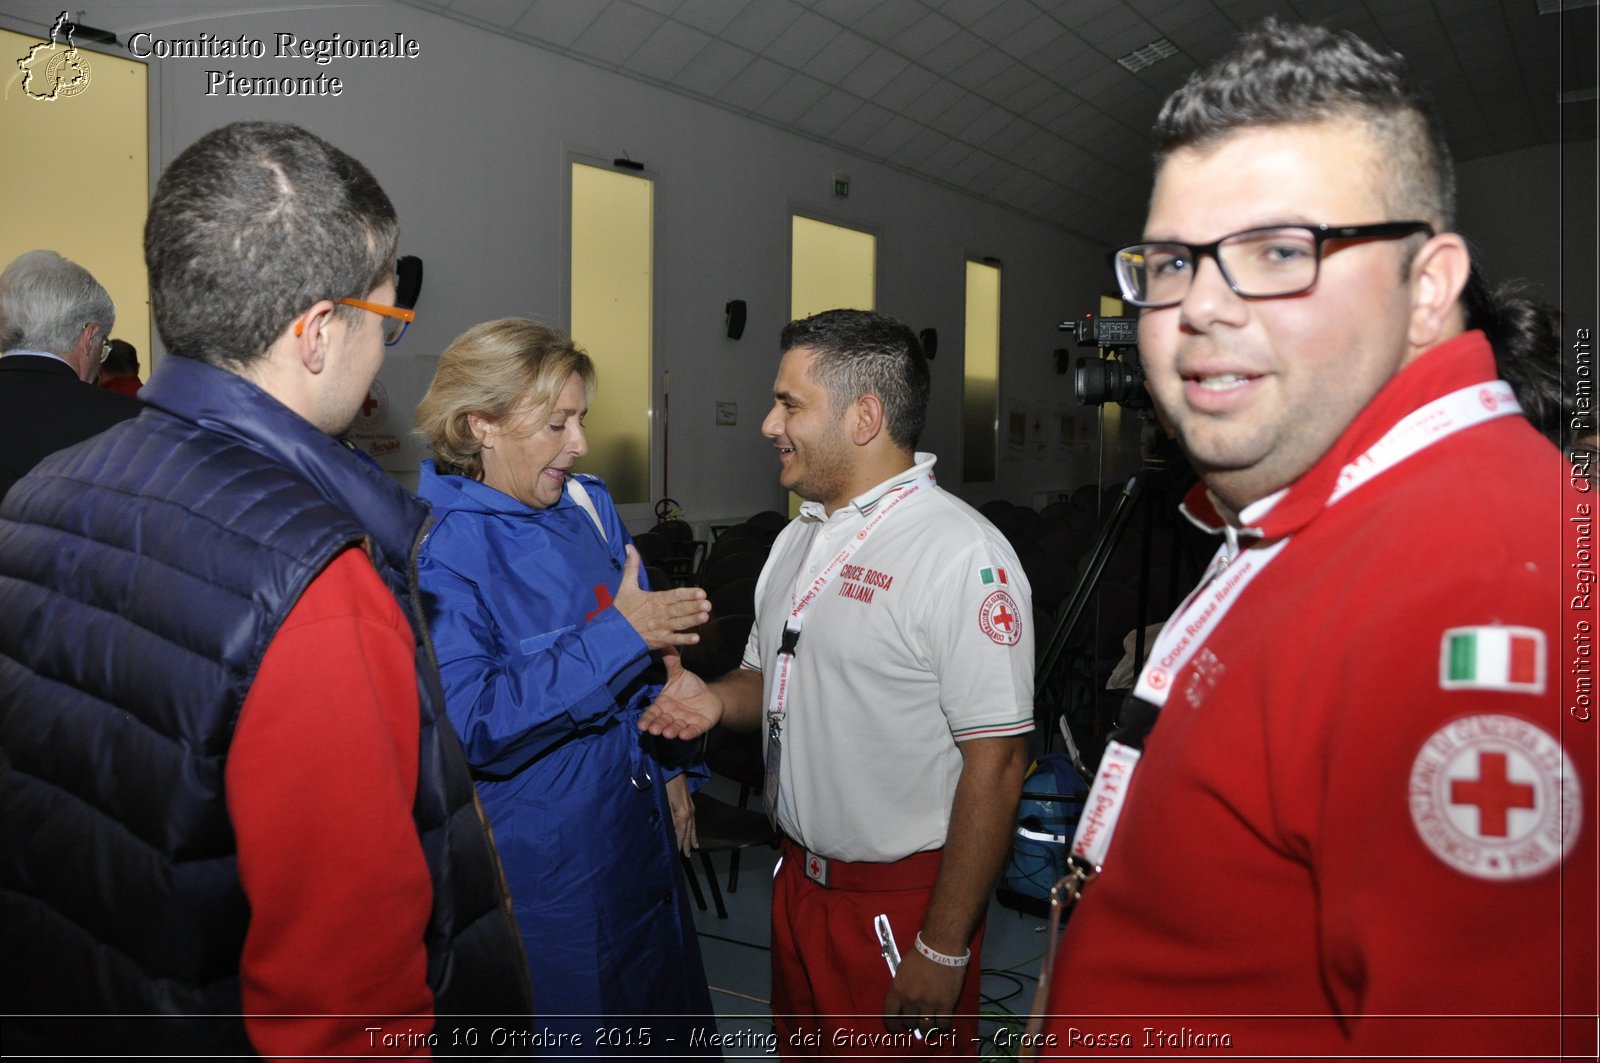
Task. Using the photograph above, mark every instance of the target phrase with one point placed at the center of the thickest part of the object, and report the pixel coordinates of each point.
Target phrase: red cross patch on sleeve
(1496, 797)
(999, 619)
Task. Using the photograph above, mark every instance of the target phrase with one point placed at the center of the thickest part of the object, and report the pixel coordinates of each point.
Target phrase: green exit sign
(841, 185)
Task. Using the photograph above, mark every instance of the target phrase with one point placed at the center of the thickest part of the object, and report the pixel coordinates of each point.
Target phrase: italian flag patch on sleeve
(992, 576)
(1493, 658)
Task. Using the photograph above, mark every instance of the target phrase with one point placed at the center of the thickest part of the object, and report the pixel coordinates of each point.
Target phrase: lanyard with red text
(1225, 580)
(777, 700)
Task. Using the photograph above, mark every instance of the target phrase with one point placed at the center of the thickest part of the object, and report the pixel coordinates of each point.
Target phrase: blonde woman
(545, 636)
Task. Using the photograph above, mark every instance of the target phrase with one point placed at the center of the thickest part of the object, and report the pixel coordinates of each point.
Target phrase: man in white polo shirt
(891, 667)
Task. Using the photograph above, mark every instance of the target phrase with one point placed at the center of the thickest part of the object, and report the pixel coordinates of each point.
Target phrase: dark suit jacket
(45, 407)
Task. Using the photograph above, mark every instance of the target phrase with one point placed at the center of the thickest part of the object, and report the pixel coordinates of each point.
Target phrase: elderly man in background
(54, 320)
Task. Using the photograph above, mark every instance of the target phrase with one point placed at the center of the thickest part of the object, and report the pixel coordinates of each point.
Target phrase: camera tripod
(1150, 493)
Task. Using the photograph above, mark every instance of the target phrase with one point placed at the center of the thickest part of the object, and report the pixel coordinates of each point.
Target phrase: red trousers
(829, 978)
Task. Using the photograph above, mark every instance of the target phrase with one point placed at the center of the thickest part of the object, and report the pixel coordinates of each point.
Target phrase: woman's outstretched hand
(662, 618)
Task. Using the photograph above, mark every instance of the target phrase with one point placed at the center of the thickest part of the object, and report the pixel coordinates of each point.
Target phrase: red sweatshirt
(1365, 812)
(320, 781)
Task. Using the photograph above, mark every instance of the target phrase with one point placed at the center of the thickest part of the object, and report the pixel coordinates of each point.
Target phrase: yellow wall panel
(834, 268)
(77, 171)
(612, 319)
(980, 397)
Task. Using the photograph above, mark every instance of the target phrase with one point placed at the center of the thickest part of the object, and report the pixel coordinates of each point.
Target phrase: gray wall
(473, 142)
(1531, 214)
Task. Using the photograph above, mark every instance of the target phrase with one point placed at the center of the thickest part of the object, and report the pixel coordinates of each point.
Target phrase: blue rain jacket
(544, 680)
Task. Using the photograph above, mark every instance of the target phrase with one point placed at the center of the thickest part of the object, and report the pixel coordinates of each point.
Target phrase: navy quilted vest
(142, 576)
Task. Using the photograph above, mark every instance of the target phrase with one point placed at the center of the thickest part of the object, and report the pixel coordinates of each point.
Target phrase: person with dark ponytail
(1526, 337)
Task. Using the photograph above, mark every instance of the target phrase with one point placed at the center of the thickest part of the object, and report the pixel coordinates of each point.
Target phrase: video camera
(1097, 381)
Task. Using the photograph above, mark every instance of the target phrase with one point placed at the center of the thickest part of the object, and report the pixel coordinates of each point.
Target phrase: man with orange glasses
(232, 790)
(1346, 813)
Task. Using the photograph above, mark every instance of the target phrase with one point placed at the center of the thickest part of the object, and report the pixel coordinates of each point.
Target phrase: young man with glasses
(1360, 816)
(54, 320)
(232, 793)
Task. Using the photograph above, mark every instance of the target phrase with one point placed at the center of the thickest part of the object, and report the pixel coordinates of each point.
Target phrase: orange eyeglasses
(394, 328)
(399, 317)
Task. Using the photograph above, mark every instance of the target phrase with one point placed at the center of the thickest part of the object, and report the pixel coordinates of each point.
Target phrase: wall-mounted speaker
(735, 317)
(930, 342)
(407, 281)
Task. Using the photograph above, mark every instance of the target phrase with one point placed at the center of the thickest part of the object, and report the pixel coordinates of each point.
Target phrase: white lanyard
(802, 601)
(1226, 578)
(778, 700)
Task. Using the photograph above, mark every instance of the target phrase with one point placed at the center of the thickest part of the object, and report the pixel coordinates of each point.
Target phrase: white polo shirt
(924, 640)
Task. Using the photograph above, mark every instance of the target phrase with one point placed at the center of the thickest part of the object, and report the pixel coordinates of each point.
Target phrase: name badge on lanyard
(778, 700)
(1186, 632)
(1224, 581)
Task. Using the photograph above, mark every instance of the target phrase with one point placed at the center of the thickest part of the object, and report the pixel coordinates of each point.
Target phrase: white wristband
(940, 958)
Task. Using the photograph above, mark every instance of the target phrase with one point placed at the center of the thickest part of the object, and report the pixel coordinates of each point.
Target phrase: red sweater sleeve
(321, 779)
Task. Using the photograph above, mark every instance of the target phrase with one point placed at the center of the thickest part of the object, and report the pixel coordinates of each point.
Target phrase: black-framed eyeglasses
(1257, 263)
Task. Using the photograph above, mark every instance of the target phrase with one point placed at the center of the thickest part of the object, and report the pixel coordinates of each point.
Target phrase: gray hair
(45, 300)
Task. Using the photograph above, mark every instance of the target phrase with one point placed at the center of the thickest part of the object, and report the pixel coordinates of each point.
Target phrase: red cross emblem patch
(602, 602)
(1495, 797)
(999, 619)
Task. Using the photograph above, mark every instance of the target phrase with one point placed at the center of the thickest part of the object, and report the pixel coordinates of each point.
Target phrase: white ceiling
(1023, 102)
